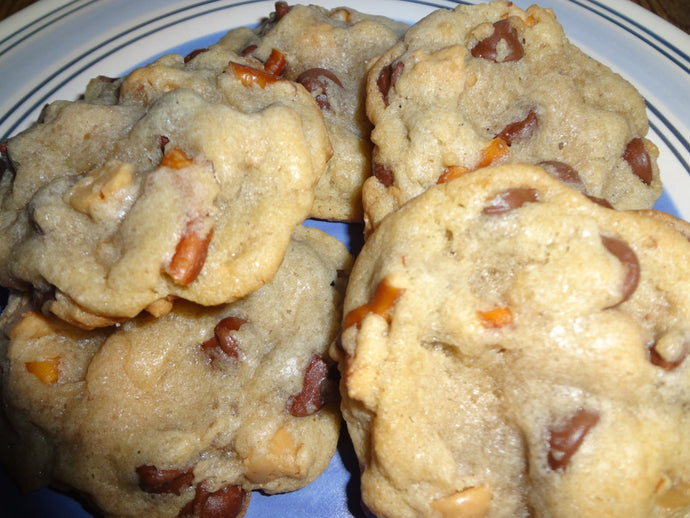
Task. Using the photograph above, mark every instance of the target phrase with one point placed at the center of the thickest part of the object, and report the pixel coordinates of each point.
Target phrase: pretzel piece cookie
(492, 83)
(178, 181)
(511, 348)
(164, 416)
(328, 51)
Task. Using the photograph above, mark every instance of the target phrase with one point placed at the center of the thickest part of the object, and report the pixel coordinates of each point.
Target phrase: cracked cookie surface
(509, 348)
(181, 180)
(492, 83)
(158, 415)
(328, 51)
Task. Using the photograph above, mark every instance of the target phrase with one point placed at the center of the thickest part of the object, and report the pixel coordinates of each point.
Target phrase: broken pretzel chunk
(565, 440)
(45, 370)
(276, 63)
(250, 76)
(493, 152)
(473, 502)
(496, 317)
(163, 481)
(451, 173)
(385, 297)
(311, 399)
(190, 255)
(488, 48)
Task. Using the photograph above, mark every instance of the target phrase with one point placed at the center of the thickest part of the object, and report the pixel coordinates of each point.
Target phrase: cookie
(328, 51)
(492, 83)
(512, 348)
(188, 186)
(198, 407)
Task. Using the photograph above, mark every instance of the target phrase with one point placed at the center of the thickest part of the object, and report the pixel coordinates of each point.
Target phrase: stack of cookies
(165, 347)
(512, 339)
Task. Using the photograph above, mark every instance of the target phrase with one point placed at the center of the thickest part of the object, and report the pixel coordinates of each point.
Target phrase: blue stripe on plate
(46, 96)
(615, 19)
(35, 22)
(672, 129)
(681, 52)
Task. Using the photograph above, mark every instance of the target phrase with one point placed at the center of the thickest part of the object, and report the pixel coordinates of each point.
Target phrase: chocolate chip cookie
(190, 411)
(513, 348)
(492, 83)
(177, 181)
(328, 51)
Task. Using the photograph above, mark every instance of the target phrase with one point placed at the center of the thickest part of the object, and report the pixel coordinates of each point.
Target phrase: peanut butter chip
(227, 502)
(160, 481)
(630, 263)
(565, 440)
(488, 47)
(473, 502)
(511, 199)
(636, 156)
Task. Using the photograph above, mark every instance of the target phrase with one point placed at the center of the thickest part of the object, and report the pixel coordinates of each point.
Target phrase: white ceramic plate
(51, 49)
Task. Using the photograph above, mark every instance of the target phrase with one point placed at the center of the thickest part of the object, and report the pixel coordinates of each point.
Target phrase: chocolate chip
(311, 399)
(223, 339)
(565, 440)
(637, 157)
(563, 172)
(488, 47)
(511, 199)
(282, 8)
(194, 54)
(159, 481)
(248, 51)
(384, 174)
(630, 263)
(315, 80)
(670, 350)
(520, 130)
(387, 78)
(228, 502)
(162, 142)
